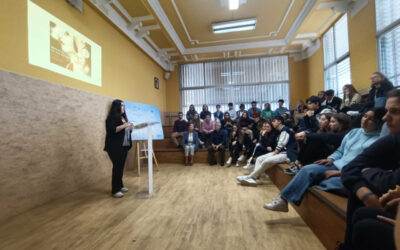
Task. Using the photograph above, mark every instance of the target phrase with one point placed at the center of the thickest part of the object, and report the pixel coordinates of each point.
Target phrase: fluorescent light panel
(233, 26)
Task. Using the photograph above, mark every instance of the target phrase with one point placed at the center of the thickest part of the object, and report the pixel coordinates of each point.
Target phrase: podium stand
(150, 154)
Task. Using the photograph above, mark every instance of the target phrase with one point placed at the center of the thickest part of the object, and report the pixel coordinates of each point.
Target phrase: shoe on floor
(248, 182)
(229, 161)
(124, 189)
(213, 163)
(118, 195)
(241, 158)
(249, 166)
(222, 164)
(277, 204)
(242, 177)
(237, 164)
(293, 170)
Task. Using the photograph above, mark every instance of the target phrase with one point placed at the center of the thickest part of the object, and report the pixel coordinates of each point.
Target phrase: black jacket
(335, 103)
(114, 140)
(384, 154)
(375, 92)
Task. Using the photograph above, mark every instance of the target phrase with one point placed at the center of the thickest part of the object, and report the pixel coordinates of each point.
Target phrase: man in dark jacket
(218, 143)
(380, 86)
(331, 100)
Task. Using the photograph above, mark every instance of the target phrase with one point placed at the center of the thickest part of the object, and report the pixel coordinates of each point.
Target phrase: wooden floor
(198, 207)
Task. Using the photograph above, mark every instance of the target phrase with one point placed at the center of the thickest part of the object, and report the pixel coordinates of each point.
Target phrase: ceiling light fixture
(233, 4)
(234, 26)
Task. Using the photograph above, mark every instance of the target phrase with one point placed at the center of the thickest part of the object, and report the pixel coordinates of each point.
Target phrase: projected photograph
(56, 46)
(69, 51)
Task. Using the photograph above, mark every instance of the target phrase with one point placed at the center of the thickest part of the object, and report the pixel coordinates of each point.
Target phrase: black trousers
(235, 151)
(313, 151)
(118, 158)
(211, 153)
(205, 138)
(370, 233)
(259, 150)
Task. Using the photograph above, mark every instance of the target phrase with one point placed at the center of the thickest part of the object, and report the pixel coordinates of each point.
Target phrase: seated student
(204, 112)
(180, 127)
(369, 176)
(281, 110)
(235, 145)
(218, 114)
(285, 151)
(207, 127)
(196, 122)
(245, 125)
(310, 122)
(321, 96)
(299, 111)
(227, 123)
(190, 144)
(315, 146)
(254, 111)
(218, 143)
(331, 100)
(380, 86)
(350, 97)
(240, 112)
(267, 113)
(287, 120)
(231, 111)
(266, 143)
(191, 112)
(326, 171)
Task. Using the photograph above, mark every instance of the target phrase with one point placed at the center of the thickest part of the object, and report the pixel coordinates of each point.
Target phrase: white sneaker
(240, 178)
(229, 161)
(241, 158)
(277, 204)
(118, 195)
(201, 142)
(249, 182)
(237, 164)
(124, 190)
(249, 166)
(249, 160)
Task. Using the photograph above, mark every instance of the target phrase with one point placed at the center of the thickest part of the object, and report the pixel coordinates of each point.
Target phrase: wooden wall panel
(52, 140)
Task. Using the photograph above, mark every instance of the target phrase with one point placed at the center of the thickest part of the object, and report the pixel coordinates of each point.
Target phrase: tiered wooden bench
(323, 212)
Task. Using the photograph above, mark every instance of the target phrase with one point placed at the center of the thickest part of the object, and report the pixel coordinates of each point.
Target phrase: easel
(141, 146)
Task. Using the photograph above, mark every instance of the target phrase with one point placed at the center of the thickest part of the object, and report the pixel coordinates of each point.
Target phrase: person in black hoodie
(380, 86)
(191, 112)
(204, 112)
(266, 142)
(331, 100)
(117, 144)
(369, 177)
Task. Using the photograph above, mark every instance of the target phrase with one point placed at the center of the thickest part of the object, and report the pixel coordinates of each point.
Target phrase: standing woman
(190, 143)
(118, 143)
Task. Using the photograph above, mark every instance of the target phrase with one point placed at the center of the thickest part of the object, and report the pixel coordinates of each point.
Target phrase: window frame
(336, 61)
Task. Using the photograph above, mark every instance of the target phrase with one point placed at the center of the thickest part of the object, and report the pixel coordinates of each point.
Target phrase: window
(337, 57)
(263, 80)
(388, 37)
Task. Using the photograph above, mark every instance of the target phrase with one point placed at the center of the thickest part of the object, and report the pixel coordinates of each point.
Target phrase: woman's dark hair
(379, 113)
(115, 110)
(269, 106)
(279, 118)
(351, 89)
(314, 99)
(205, 106)
(229, 115)
(385, 79)
(191, 107)
(344, 120)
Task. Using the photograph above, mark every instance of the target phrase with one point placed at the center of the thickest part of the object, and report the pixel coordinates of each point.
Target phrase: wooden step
(174, 155)
(166, 143)
(323, 212)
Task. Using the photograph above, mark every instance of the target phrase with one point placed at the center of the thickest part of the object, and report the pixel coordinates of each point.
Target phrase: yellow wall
(298, 81)
(127, 74)
(363, 54)
(173, 100)
(362, 42)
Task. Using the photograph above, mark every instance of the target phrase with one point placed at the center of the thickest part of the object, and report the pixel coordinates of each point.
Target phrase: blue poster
(142, 116)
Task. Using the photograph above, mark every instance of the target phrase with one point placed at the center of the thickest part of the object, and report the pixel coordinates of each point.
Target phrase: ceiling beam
(351, 6)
